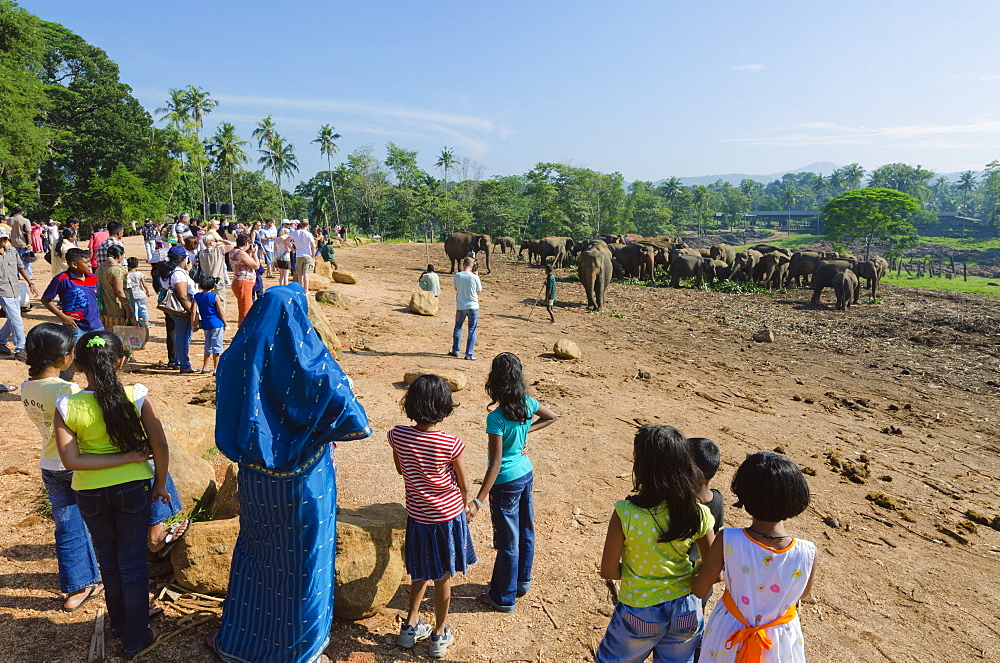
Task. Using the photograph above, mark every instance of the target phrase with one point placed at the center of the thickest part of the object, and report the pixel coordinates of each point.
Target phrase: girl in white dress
(766, 570)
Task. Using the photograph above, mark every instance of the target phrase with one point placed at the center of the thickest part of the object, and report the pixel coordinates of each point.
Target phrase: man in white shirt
(305, 249)
(430, 282)
(181, 229)
(266, 235)
(467, 289)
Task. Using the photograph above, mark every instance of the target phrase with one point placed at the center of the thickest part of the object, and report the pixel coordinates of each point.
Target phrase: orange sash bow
(751, 641)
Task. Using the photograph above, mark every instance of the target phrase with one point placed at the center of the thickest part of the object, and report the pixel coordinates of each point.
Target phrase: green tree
(328, 147)
(227, 151)
(967, 184)
(446, 161)
(403, 164)
(902, 177)
(123, 196)
(255, 195)
(369, 187)
(265, 132)
(851, 175)
(872, 214)
(280, 159)
(648, 213)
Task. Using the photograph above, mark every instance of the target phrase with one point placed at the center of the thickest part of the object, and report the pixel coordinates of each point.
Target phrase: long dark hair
(67, 233)
(506, 386)
(97, 355)
(664, 472)
(164, 268)
(46, 344)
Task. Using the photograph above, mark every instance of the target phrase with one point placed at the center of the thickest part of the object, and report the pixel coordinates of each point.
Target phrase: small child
(138, 291)
(438, 543)
(766, 570)
(209, 310)
(646, 547)
(550, 293)
(706, 456)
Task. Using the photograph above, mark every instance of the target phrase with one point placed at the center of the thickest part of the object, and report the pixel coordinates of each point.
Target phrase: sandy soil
(903, 394)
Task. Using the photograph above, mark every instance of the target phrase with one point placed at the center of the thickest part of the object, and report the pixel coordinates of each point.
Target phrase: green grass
(43, 507)
(984, 244)
(976, 285)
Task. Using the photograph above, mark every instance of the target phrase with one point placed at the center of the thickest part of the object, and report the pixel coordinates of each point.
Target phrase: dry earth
(903, 396)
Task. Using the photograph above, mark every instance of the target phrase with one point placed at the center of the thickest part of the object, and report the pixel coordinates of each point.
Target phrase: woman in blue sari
(282, 403)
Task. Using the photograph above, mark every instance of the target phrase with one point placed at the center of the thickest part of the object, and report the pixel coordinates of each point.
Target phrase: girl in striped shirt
(438, 543)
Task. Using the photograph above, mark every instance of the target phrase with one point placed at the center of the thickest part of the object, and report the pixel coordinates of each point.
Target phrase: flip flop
(172, 537)
(92, 593)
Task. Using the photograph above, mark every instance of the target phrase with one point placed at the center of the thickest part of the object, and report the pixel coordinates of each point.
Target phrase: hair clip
(96, 342)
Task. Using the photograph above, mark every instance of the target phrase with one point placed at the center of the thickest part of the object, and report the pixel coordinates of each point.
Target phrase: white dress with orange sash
(764, 585)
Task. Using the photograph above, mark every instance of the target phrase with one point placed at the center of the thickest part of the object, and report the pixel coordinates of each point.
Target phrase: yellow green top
(654, 572)
(83, 416)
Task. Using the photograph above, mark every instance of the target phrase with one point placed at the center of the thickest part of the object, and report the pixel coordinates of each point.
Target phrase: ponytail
(97, 355)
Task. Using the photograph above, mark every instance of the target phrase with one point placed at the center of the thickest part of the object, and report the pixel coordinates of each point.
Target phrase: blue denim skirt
(436, 550)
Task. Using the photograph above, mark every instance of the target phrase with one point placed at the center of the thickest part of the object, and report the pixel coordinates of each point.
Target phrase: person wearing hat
(10, 296)
(149, 236)
(174, 275)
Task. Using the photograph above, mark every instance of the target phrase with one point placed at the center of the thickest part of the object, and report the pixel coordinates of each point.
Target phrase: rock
(369, 558)
(191, 425)
(456, 380)
(227, 504)
(343, 277)
(193, 476)
(324, 269)
(15, 470)
(333, 297)
(325, 331)
(566, 349)
(764, 336)
(205, 396)
(202, 557)
(317, 282)
(423, 302)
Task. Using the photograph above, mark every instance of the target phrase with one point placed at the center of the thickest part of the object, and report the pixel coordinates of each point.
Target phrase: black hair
(430, 268)
(133, 263)
(72, 220)
(663, 472)
(97, 355)
(706, 455)
(505, 385)
(428, 400)
(242, 241)
(17, 210)
(207, 282)
(72, 255)
(115, 227)
(115, 251)
(46, 344)
(67, 233)
(548, 269)
(770, 487)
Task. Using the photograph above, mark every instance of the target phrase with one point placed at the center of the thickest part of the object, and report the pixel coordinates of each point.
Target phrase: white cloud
(945, 136)
(747, 67)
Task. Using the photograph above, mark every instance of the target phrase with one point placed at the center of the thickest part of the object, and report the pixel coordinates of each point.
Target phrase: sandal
(92, 592)
(174, 534)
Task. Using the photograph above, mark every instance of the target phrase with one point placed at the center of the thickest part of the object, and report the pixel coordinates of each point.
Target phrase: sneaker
(523, 588)
(470, 357)
(450, 354)
(21, 356)
(409, 635)
(439, 643)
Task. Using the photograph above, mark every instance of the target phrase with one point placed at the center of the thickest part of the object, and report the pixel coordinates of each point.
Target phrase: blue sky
(647, 88)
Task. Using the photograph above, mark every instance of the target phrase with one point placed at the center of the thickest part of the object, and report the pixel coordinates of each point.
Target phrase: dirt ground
(891, 410)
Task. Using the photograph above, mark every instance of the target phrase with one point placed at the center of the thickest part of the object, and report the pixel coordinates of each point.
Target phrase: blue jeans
(27, 265)
(670, 630)
(460, 315)
(74, 552)
(13, 326)
(181, 335)
(118, 520)
(513, 514)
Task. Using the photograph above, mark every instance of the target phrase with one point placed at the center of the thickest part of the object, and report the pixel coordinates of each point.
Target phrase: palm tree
(446, 161)
(227, 150)
(197, 104)
(701, 198)
(852, 175)
(967, 183)
(327, 146)
(265, 132)
(790, 197)
(176, 110)
(280, 159)
(671, 190)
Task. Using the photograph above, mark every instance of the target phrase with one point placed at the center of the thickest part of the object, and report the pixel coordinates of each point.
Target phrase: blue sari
(282, 402)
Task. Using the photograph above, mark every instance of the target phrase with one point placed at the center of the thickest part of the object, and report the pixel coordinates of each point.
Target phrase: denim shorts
(213, 341)
(672, 629)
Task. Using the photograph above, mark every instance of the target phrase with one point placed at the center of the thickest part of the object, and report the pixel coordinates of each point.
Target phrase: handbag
(170, 303)
(29, 257)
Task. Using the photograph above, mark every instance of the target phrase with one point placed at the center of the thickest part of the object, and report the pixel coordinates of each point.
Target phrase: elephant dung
(423, 302)
(456, 380)
(202, 557)
(333, 297)
(764, 336)
(369, 558)
(193, 426)
(566, 349)
(193, 476)
(227, 503)
(343, 277)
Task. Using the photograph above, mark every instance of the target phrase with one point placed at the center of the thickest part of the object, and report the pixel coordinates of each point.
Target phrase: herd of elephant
(632, 256)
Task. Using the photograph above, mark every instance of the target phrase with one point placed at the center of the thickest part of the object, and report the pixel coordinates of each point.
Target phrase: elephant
(458, 245)
(768, 248)
(744, 265)
(705, 253)
(555, 247)
(682, 251)
(802, 266)
(715, 270)
(505, 244)
(871, 271)
(684, 266)
(723, 252)
(775, 267)
(532, 246)
(594, 271)
(638, 260)
(823, 277)
(845, 286)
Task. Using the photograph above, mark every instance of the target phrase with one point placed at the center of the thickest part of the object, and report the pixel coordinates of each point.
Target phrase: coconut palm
(328, 147)
(445, 162)
(176, 110)
(851, 175)
(280, 159)
(671, 190)
(227, 150)
(265, 132)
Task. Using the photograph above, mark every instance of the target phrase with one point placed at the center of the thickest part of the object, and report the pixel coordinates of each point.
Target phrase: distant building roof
(786, 213)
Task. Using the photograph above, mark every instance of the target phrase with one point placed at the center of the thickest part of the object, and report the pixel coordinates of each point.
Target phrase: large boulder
(369, 558)
(227, 501)
(193, 476)
(191, 425)
(566, 349)
(317, 282)
(423, 302)
(456, 380)
(202, 557)
(325, 331)
(343, 277)
(324, 269)
(333, 297)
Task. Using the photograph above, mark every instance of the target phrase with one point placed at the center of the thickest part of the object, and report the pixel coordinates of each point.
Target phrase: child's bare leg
(157, 537)
(417, 589)
(442, 602)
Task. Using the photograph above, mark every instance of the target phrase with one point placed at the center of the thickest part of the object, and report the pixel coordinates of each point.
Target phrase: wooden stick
(533, 306)
(97, 640)
(203, 596)
(549, 614)
(159, 641)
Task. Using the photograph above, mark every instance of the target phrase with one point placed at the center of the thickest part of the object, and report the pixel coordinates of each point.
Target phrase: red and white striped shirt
(425, 457)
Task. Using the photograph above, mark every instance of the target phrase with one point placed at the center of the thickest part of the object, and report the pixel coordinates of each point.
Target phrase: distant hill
(823, 167)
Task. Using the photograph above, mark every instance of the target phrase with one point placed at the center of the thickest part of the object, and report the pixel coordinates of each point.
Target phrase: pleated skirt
(436, 550)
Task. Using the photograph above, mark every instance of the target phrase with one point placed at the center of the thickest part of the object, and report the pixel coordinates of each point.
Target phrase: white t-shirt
(181, 276)
(266, 236)
(467, 285)
(303, 242)
(39, 398)
(134, 282)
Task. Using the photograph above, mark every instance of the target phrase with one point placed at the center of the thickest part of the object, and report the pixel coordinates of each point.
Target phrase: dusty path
(890, 589)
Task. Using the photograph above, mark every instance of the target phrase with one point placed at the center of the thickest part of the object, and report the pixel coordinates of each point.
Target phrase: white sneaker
(439, 643)
(409, 635)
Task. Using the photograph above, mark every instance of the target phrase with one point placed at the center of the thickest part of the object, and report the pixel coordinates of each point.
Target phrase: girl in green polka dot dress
(646, 547)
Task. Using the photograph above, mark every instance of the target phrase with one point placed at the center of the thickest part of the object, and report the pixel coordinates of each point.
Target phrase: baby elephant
(845, 286)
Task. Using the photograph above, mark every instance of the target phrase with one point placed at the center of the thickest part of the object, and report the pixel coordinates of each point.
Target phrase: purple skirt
(436, 550)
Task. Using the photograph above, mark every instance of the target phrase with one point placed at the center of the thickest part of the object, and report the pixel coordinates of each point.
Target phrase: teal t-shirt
(513, 463)
(550, 287)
